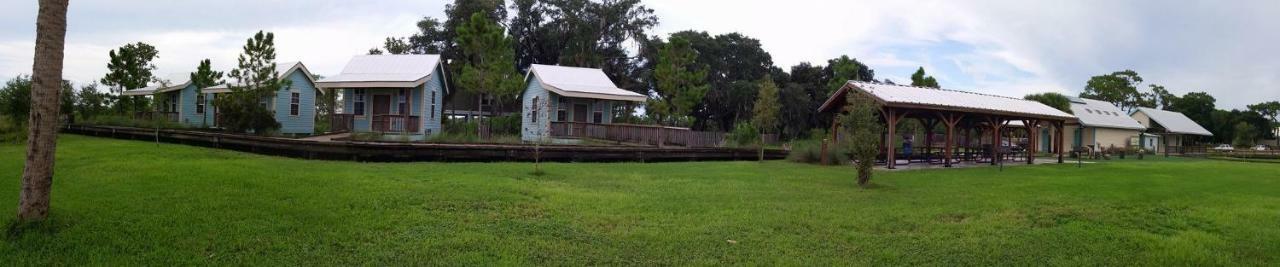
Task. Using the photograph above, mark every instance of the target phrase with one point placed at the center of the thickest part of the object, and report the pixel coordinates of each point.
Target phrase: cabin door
(381, 108)
(580, 117)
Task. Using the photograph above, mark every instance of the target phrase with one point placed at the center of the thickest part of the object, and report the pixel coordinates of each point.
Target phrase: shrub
(744, 134)
(505, 125)
(11, 131)
(810, 151)
(126, 121)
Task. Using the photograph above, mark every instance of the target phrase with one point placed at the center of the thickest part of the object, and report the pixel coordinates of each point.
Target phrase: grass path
(127, 203)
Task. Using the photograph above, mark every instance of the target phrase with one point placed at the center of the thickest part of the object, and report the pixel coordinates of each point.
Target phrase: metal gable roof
(581, 82)
(1174, 122)
(1100, 114)
(952, 99)
(409, 70)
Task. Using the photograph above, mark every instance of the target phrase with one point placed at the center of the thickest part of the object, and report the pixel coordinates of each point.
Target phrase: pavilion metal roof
(944, 99)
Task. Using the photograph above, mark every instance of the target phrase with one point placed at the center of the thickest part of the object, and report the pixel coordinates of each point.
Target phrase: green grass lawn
(128, 202)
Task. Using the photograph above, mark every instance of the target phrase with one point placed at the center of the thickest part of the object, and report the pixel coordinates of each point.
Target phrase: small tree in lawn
(245, 108)
(488, 65)
(765, 111)
(861, 128)
(205, 76)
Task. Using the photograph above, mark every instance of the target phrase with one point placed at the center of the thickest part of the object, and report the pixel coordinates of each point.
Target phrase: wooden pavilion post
(997, 124)
(950, 120)
(1033, 139)
(892, 116)
(1061, 148)
(929, 125)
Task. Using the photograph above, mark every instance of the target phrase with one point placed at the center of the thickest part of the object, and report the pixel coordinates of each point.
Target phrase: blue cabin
(401, 96)
(294, 106)
(564, 104)
(177, 100)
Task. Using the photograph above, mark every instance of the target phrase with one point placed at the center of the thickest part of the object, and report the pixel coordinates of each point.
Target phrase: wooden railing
(150, 115)
(638, 134)
(395, 124)
(339, 123)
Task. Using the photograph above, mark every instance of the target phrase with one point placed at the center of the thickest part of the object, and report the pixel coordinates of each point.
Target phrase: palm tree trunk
(46, 81)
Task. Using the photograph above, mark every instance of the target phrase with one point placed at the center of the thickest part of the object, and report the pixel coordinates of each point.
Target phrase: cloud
(1007, 47)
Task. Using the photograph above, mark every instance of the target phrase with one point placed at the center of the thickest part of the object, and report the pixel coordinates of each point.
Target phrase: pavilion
(967, 112)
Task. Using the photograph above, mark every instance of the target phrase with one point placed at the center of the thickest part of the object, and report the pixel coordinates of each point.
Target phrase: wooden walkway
(408, 152)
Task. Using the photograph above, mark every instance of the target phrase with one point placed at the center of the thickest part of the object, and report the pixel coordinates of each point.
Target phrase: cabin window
(295, 102)
(199, 103)
(357, 102)
(597, 115)
(533, 113)
(401, 108)
(173, 103)
(562, 110)
(433, 103)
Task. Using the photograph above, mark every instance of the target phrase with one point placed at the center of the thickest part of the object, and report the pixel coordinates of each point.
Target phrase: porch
(378, 123)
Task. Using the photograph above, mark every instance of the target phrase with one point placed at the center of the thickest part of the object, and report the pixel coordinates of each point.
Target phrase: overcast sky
(1000, 47)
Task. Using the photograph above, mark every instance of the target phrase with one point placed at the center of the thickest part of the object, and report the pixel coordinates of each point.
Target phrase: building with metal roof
(399, 95)
(569, 103)
(983, 122)
(1100, 124)
(1177, 130)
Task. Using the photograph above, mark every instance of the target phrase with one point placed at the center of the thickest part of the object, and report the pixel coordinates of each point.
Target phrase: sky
(1004, 47)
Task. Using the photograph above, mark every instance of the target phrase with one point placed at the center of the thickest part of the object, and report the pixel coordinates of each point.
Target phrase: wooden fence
(638, 134)
(401, 152)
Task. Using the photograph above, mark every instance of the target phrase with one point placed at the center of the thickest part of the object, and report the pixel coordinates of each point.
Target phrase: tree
(1118, 88)
(375, 51)
(1162, 98)
(488, 60)
(90, 102)
(205, 76)
(1051, 99)
(586, 33)
(396, 46)
(37, 173)
(130, 68)
(1198, 106)
(844, 69)
(15, 99)
(246, 107)
(1270, 109)
(861, 127)
(1245, 134)
(681, 82)
(920, 79)
(430, 38)
(765, 111)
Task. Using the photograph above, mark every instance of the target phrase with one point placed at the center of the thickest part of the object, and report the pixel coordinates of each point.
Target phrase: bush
(11, 131)
(126, 121)
(810, 151)
(744, 134)
(505, 125)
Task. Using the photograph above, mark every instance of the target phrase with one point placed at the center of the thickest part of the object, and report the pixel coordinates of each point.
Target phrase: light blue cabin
(293, 106)
(564, 104)
(401, 96)
(178, 100)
